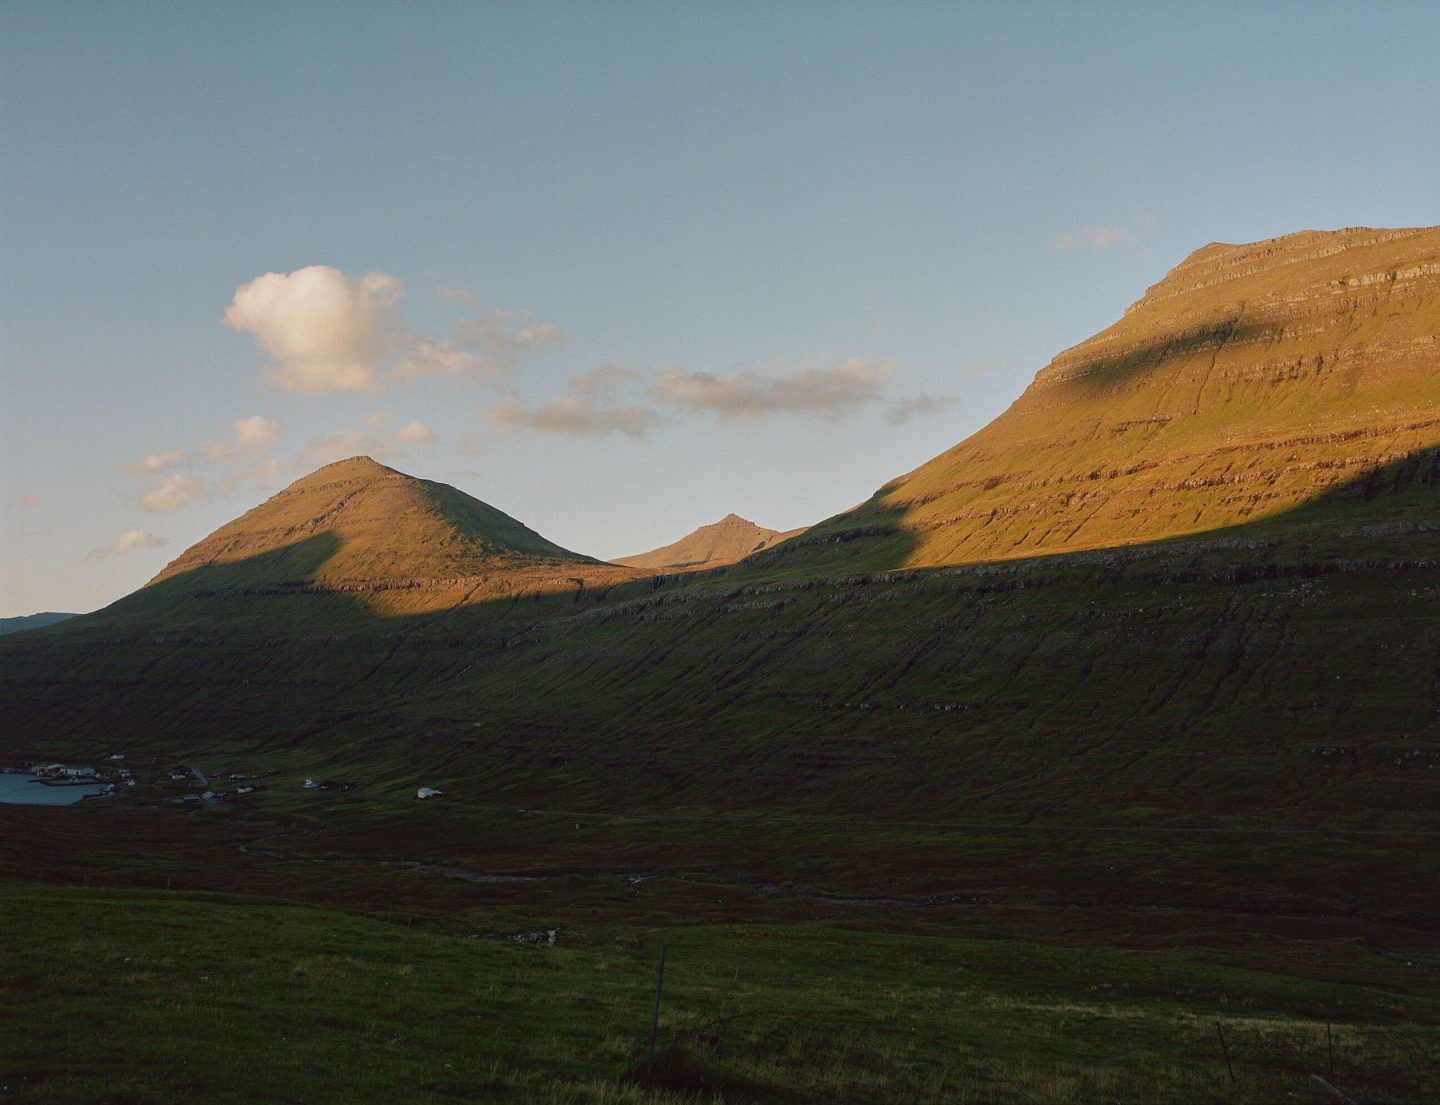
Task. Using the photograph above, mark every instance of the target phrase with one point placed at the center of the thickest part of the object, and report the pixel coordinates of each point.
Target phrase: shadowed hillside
(32, 621)
(1288, 668)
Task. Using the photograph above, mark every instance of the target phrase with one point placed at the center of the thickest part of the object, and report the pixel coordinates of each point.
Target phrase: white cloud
(371, 438)
(139, 539)
(903, 410)
(174, 491)
(827, 392)
(30, 501)
(262, 471)
(343, 444)
(1097, 238)
(482, 347)
(574, 416)
(587, 409)
(257, 430)
(367, 439)
(329, 332)
(129, 542)
(250, 435)
(414, 432)
(460, 294)
(153, 462)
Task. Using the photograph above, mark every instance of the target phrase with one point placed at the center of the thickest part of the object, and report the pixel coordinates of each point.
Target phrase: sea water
(22, 790)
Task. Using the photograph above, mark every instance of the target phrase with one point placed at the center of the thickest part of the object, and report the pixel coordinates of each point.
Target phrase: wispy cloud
(129, 542)
(329, 332)
(1099, 239)
(154, 462)
(341, 445)
(242, 454)
(414, 432)
(826, 392)
(250, 435)
(174, 491)
(480, 348)
(261, 471)
(372, 437)
(903, 410)
(587, 409)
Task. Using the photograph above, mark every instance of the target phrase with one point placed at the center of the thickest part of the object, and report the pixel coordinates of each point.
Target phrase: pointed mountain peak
(353, 466)
(724, 542)
(356, 519)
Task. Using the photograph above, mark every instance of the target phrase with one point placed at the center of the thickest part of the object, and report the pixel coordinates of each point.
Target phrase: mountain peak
(351, 468)
(358, 520)
(724, 542)
(1219, 399)
(1273, 265)
(357, 463)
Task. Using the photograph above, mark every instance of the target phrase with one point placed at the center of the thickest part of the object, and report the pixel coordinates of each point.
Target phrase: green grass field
(147, 996)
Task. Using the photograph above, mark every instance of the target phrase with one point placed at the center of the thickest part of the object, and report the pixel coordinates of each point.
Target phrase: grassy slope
(277, 1003)
(396, 544)
(1249, 381)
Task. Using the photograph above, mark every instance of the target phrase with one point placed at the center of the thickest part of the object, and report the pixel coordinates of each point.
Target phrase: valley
(1111, 730)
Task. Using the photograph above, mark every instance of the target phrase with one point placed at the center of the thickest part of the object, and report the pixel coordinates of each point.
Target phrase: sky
(617, 269)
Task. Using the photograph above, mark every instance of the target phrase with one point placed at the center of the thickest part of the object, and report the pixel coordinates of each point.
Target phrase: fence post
(1330, 1050)
(655, 1016)
(1225, 1052)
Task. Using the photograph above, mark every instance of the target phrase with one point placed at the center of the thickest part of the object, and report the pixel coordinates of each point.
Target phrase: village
(79, 782)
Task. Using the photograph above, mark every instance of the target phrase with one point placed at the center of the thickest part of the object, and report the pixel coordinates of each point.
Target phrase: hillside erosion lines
(1119, 669)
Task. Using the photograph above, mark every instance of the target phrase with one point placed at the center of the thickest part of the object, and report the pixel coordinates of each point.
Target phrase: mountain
(1249, 381)
(386, 525)
(1189, 577)
(32, 621)
(724, 542)
(385, 541)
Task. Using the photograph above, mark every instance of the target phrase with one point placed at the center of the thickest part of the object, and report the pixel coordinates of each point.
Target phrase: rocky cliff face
(724, 542)
(1250, 382)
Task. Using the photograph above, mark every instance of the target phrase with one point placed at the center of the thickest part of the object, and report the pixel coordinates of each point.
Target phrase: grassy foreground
(147, 996)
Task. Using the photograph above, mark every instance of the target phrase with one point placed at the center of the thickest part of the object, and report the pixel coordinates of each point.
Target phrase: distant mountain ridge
(32, 621)
(724, 542)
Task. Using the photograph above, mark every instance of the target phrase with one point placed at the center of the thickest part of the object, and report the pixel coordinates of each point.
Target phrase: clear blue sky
(823, 241)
